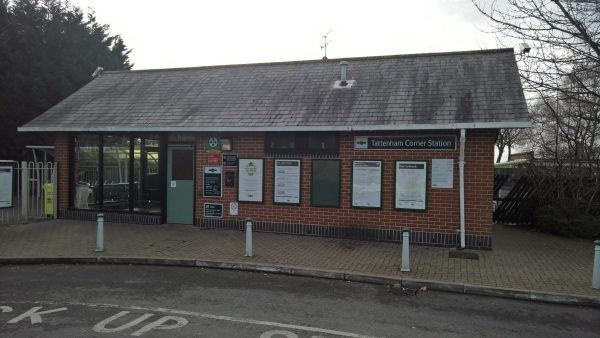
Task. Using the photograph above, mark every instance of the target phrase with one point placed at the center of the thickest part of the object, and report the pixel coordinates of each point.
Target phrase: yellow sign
(48, 198)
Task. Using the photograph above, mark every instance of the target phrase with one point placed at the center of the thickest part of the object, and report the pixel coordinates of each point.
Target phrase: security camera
(524, 48)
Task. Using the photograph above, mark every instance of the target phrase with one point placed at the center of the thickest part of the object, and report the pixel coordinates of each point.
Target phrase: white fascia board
(476, 125)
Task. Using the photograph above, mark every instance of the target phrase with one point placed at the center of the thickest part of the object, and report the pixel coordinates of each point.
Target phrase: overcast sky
(181, 33)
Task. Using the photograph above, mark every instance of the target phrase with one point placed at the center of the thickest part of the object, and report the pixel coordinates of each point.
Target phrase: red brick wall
(442, 215)
(61, 156)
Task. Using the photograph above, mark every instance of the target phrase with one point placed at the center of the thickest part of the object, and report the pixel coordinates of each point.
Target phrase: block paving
(521, 258)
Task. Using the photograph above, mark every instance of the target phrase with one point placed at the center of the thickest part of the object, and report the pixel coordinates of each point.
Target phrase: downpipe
(461, 175)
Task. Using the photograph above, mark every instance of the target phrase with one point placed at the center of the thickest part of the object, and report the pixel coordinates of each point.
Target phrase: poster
(212, 181)
(6, 187)
(442, 173)
(366, 184)
(250, 181)
(411, 185)
(287, 182)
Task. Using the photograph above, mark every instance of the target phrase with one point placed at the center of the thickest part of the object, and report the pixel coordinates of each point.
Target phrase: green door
(180, 184)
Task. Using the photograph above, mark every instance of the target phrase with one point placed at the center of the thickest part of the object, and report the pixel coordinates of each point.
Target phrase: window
(117, 172)
(146, 178)
(301, 143)
(115, 188)
(325, 183)
(85, 172)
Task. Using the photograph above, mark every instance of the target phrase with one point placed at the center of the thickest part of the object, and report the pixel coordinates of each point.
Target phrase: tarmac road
(150, 301)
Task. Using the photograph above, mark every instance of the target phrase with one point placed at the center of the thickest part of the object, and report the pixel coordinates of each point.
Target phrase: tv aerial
(325, 44)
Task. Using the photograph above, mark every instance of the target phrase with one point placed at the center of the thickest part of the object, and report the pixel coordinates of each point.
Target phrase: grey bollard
(249, 238)
(405, 250)
(100, 233)
(596, 273)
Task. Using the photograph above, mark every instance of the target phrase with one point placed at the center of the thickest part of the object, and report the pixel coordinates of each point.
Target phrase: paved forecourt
(521, 259)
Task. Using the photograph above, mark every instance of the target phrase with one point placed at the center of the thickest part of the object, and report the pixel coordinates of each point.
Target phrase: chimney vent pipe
(344, 69)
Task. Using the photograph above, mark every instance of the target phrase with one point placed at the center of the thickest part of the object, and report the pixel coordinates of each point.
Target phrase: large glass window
(115, 190)
(301, 143)
(117, 172)
(146, 178)
(85, 172)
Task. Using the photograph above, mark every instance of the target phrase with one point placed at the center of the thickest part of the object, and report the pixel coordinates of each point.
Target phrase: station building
(351, 148)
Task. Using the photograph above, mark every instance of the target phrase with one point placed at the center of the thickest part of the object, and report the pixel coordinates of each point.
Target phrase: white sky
(181, 33)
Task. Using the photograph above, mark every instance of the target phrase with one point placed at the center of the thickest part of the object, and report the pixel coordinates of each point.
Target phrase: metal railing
(23, 191)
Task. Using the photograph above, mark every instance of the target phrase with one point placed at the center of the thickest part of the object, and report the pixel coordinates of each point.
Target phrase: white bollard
(405, 248)
(100, 233)
(596, 273)
(249, 238)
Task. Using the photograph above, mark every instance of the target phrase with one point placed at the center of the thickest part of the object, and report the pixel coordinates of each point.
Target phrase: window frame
(304, 150)
(162, 142)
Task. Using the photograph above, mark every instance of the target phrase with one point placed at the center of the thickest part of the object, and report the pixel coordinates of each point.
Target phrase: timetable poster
(411, 185)
(366, 184)
(287, 181)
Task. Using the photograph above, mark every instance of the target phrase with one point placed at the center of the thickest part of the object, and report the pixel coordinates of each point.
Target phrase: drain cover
(463, 255)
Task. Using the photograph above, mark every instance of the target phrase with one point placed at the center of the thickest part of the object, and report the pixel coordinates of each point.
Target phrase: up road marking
(158, 324)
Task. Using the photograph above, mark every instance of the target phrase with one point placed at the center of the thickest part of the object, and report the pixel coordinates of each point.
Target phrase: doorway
(180, 184)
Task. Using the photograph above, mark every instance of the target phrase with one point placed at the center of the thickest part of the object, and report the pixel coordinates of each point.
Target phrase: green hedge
(567, 221)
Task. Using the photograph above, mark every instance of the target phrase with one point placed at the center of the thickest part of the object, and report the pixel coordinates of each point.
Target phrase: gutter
(390, 127)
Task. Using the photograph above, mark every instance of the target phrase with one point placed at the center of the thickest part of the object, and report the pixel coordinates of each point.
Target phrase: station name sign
(409, 142)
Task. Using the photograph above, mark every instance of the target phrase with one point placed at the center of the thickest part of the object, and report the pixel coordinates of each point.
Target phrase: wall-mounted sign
(226, 144)
(230, 179)
(442, 173)
(6, 187)
(213, 158)
(212, 144)
(287, 182)
(411, 185)
(230, 160)
(408, 142)
(212, 181)
(250, 179)
(213, 210)
(366, 184)
(233, 208)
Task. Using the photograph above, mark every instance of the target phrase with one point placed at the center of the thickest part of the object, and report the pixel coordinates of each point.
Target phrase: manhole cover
(463, 255)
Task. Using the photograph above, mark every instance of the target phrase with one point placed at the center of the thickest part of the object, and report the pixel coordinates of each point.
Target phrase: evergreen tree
(48, 50)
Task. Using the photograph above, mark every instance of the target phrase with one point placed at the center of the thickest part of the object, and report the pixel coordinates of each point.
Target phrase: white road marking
(6, 309)
(271, 333)
(34, 315)
(204, 315)
(101, 326)
(159, 324)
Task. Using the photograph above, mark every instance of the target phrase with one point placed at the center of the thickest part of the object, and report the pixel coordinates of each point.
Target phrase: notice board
(250, 179)
(287, 182)
(411, 185)
(366, 184)
(325, 185)
(212, 181)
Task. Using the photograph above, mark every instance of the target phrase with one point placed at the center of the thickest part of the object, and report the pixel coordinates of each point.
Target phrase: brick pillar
(61, 157)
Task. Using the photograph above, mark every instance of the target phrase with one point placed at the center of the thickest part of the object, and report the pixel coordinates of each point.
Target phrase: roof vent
(343, 82)
(97, 72)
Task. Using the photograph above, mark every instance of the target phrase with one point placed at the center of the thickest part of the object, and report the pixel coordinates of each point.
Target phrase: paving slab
(521, 259)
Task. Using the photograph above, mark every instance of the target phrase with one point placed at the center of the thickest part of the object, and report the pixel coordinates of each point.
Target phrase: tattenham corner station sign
(411, 142)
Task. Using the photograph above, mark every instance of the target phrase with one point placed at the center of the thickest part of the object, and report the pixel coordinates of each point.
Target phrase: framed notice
(442, 173)
(411, 185)
(213, 210)
(286, 185)
(212, 181)
(250, 180)
(366, 184)
(6, 187)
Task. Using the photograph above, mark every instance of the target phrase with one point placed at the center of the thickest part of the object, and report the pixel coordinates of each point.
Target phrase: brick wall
(442, 215)
(61, 156)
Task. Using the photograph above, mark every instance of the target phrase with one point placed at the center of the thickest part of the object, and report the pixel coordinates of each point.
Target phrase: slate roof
(475, 89)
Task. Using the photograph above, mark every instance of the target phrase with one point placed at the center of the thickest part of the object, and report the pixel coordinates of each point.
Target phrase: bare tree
(561, 75)
(507, 139)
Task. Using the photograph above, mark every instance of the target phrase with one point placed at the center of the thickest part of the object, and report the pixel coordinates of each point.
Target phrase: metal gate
(27, 191)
